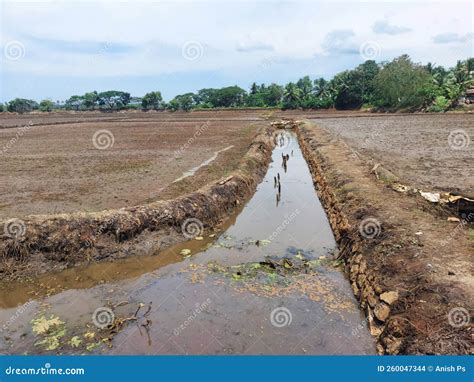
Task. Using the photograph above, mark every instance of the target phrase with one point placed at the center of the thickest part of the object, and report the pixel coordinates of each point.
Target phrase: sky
(59, 48)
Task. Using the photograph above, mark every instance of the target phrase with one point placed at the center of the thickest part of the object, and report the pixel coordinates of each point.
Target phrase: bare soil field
(416, 148)
(50, 165)
(53, 166)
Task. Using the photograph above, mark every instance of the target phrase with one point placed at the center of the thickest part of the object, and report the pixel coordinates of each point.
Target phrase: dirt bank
(409, 269)
(38, 243)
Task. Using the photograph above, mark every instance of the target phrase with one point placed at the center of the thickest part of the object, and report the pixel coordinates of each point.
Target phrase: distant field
(53, 168)
(415, 147)
(50, 165)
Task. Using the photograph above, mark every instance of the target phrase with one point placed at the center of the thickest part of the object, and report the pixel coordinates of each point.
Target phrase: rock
(372, 300)
(355, 269)
(380, 349)
(392, 345)
(361, 280)
(389, 297)
(382, 311)
(375, 330)
(352, 276)
(355, 289)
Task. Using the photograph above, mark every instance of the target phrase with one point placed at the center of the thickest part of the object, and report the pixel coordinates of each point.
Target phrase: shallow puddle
(266, 285)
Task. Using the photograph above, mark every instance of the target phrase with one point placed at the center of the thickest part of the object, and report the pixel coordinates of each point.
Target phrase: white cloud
(110, 39)
(384, 27)
(446, 38)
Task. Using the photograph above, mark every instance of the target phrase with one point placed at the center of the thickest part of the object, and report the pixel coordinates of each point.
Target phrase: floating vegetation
(50, 330)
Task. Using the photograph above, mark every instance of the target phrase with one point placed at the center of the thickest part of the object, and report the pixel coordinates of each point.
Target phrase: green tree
(205, 97)
(183, 102)
(291, 96)
(273, 95)
(305, 85)
(152, 100)
(91, 100)
(46, 105)
(458, 80)
(401, 84)
(74, 102)
(113, 99)
(22, 105)
(254, 89)
(230, 96)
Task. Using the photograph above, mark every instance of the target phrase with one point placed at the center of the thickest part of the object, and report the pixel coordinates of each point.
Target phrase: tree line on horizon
(399, 84)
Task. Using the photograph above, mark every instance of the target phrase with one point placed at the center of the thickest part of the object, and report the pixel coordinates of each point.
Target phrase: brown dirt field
(49, 163)
(57, 169)
(414, 147)
(414, 251)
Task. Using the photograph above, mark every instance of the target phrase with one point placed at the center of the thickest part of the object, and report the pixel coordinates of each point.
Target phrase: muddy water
(221, 295)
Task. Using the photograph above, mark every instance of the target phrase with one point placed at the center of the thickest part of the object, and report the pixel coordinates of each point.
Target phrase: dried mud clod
(70, 239)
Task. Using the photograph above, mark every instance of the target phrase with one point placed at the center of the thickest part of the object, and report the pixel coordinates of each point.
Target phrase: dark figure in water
(275, 182)
(291, 152)
(278, 175)
(284, 162)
